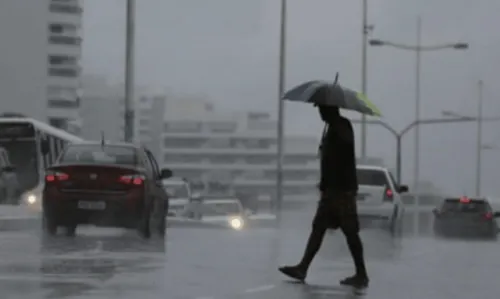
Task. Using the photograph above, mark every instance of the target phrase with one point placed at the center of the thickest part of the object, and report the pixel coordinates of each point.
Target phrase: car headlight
(31, 199)
(236, 223)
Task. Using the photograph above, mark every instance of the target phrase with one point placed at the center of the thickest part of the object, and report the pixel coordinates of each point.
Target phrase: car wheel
(71, 230)
(144, 225)
(49, 225)
(394, 224)
(160, 214)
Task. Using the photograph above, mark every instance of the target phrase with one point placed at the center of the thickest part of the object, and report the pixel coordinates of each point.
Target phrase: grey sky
(228, 51)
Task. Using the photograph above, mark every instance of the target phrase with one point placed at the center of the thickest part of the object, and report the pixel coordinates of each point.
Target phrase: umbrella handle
(336, 79)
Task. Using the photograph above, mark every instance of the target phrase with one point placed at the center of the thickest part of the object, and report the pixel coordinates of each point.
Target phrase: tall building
(40, 59)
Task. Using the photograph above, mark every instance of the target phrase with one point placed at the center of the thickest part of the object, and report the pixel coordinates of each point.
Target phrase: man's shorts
(337, 210)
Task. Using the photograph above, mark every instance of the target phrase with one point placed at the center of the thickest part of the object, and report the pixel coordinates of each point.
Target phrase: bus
(32, 146)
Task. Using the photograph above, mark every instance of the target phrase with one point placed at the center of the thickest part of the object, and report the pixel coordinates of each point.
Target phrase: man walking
(337, 205)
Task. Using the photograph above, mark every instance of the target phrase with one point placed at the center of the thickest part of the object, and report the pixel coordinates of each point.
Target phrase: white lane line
(261, 288)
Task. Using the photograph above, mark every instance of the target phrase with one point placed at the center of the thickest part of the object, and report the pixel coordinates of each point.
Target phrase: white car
(179, 195)
(379, 199)
(228, 212)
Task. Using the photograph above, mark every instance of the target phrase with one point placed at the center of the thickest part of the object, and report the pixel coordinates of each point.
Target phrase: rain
(148, 148)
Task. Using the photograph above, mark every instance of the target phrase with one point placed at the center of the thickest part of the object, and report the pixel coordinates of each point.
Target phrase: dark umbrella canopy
(331, 94)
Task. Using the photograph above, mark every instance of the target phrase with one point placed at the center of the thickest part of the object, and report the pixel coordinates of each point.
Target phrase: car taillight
(56, 177)
(388, 195)
(136, 180)
(488, 216)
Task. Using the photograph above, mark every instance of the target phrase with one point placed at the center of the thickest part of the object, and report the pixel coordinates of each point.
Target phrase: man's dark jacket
(338, 158)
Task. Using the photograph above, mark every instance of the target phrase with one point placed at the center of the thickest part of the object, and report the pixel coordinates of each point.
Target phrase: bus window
(18, 140)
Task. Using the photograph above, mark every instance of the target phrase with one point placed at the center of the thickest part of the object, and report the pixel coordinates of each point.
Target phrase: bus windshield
(18, 139)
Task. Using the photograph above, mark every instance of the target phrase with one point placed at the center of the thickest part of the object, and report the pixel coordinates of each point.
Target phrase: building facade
(40, 62)
(233, 153)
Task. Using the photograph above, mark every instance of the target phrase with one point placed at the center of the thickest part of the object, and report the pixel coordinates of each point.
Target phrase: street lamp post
(281, 112)
(398, 135)
(129, 71)
(418, 48)
(364, 49)
(479, 134)
(479, 137)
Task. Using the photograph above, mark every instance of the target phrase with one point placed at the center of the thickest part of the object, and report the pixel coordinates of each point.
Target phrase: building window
(182, 126)
(60, 28)
(61, 60)
(62, 103)
(65, 8)
(218, 143)
(61, 123)
(144, 122)
(181, 143)
(63, 72)
(61, 91)
(65, 40)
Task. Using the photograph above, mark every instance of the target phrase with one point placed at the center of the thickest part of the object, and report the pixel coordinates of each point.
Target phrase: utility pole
(418, 50)
(365, 31)
(479, 145)
(281, 112)
(129, 71)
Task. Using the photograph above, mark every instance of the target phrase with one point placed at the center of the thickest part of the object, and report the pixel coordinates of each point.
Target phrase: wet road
(196, 263)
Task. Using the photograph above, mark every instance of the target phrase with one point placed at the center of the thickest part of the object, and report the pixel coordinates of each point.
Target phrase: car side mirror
(403, 189)
(166, 173)
(496, 214)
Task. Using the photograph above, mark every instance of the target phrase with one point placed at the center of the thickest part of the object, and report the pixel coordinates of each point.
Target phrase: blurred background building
(40, 73)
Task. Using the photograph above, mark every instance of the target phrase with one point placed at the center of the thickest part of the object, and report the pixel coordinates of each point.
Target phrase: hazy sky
(228, 50)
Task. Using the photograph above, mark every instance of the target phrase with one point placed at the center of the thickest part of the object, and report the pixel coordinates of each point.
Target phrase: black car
(112, 185)
(465, 217)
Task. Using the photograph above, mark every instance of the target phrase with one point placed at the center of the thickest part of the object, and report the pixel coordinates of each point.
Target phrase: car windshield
(371, 177)
(470, 206)
(221, 208)
(96, 154)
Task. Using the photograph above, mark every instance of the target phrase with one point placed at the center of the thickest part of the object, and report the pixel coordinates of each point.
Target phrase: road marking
(261, 288)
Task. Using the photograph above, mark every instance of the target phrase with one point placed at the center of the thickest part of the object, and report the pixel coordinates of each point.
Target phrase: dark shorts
(337, 210)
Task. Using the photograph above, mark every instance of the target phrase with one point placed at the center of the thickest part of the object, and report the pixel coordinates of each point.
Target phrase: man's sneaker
(357, 281)
(293, 272)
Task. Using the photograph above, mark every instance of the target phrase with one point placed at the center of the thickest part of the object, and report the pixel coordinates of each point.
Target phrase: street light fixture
(376, 42)
(418, 48)
(461, 46)
(398, 135)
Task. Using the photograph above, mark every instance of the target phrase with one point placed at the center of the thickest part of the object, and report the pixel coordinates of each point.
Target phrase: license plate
(91, 205)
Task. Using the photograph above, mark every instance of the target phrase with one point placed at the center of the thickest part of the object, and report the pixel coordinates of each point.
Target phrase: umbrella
(332, 94)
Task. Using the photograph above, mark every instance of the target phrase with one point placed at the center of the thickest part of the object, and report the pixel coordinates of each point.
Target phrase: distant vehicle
(465, 217)
(379, 198)
(226, 211)
(32, 146)
(179, 194)
(114, 185)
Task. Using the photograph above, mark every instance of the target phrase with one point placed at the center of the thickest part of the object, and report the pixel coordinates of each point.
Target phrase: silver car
(379, 199)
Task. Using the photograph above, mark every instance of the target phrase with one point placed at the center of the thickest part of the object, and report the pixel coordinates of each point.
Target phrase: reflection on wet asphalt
(200, 263)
